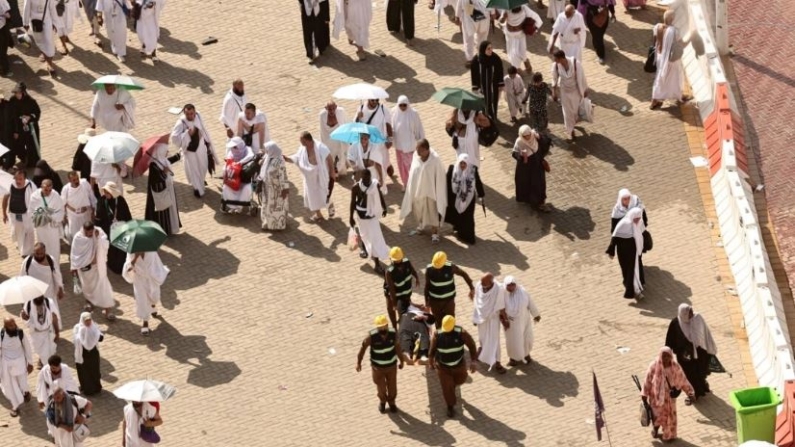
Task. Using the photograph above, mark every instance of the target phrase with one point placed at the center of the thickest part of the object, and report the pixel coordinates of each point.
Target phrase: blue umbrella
(349, 133)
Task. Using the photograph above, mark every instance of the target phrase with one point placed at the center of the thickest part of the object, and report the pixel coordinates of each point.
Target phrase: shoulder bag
(600, 17)
(38, 25)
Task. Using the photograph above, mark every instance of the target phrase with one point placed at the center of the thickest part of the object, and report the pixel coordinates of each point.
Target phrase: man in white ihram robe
(45, 39)
(54, 370)
(196, 160)
(16, 362)
(90, 262)
(568, 33)
(49, 225)
(331, 118)
(426, 190)
(148, 26)
(113, 109)
(373, 157)
(570, 86)
(234, 102)
(255, 122)
(522, 313)
(146, 272)
(44, 323)
(79, 201)
(474, 18)
(555, 8)
(355, 17)
(22, 230)
(313, 159)
(110, 13)
(489, 313)
(377, 115)
(669, 78)
(43, 267)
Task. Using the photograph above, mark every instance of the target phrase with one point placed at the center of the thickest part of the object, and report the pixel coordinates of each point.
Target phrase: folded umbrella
(145, 391)
(21, 289)
(135, 236)
(120, 81)
(111, 147)
(361, 92)
(144, 155)
(459, 98)
(349, 133)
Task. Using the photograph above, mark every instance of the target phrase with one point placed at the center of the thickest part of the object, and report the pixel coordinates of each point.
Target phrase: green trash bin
(755, 409)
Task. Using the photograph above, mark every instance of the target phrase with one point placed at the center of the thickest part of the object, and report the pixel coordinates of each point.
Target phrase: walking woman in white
(569, 86)
(147, 26)
(522, 313)
(669, 77)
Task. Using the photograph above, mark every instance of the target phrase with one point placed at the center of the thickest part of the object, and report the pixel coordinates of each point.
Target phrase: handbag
(488, 135)
(248, 138)
(585, 111)
(545, 165)
(80, 432)
(650, 66)
(162, 199)
(673, 392)
(600, 18)
(715, 365)
(529, 26)
(646, 416)
(648, 242)
(38, 25)
(148, 434)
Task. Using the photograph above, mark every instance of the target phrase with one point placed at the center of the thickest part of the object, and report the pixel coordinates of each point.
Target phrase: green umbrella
(505, 4)
(137, 235)
(120, 81)
(459, 98)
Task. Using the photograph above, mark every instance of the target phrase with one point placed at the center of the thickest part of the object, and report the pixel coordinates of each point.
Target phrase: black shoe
(450, 412)
(363, 254)
(382, 408)
(393, 408)
(196, 193)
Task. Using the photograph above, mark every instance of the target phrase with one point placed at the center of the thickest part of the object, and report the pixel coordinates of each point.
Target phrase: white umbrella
(6, 180)
(3, 150)
(21, 289)
(120, 81)
(111, 147)
(145, 391)
(361, 92)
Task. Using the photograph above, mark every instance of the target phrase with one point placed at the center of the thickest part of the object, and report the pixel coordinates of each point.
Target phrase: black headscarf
(482, 50)
(44, 171)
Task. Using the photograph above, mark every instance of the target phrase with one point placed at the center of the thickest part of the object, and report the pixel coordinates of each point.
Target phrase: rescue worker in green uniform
(440, 286)
(447, 358)
(385, 359)
(398, 286)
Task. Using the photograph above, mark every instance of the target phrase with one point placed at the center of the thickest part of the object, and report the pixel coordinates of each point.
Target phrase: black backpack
(488, 135)
(30, 261)
(20, 334)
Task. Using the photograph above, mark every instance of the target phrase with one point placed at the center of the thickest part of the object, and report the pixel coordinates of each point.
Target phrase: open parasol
(144, 155)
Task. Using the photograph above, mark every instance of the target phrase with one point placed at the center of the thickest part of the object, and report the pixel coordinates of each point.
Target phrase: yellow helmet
(448, 323)
(439, 258)
(396, 254)
(381, 321)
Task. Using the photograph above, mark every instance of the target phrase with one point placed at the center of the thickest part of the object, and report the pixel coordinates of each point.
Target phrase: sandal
(331, 210)
(14, 413)
(688, 402)
(145, 331)
(512, 362)
(315, 218)
(655, 105)
(431, 4)
(500, 369)
(434, 239)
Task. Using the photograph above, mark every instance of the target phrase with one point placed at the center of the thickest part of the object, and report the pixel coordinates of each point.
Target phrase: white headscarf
(273, 154)
(463, 183)
(85, 336)
(627, 228)
(312, 6)
(696, 330)
(619, 210)
(530, 145)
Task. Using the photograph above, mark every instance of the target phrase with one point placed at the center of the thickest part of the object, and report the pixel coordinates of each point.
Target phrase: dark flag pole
(599, 409)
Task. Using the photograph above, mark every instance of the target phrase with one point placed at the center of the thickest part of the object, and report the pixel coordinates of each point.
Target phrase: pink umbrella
(144, 155)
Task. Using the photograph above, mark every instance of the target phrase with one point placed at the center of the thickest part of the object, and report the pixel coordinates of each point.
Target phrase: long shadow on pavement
(542, 382)
(603, 148)
(193, 253)
(663, 293)
(490, 428)
(427, 434)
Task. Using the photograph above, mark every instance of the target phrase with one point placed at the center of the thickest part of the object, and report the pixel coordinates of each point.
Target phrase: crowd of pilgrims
(83, 210)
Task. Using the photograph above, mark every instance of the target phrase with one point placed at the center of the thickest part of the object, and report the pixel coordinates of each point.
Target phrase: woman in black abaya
(487, 77)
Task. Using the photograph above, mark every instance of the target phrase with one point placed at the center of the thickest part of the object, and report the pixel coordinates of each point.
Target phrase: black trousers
(397, 10)
(598, 36)
(316, 30)
(5, 44)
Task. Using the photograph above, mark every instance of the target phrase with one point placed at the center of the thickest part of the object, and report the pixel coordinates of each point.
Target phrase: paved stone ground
(252, 369)
(766, 88)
